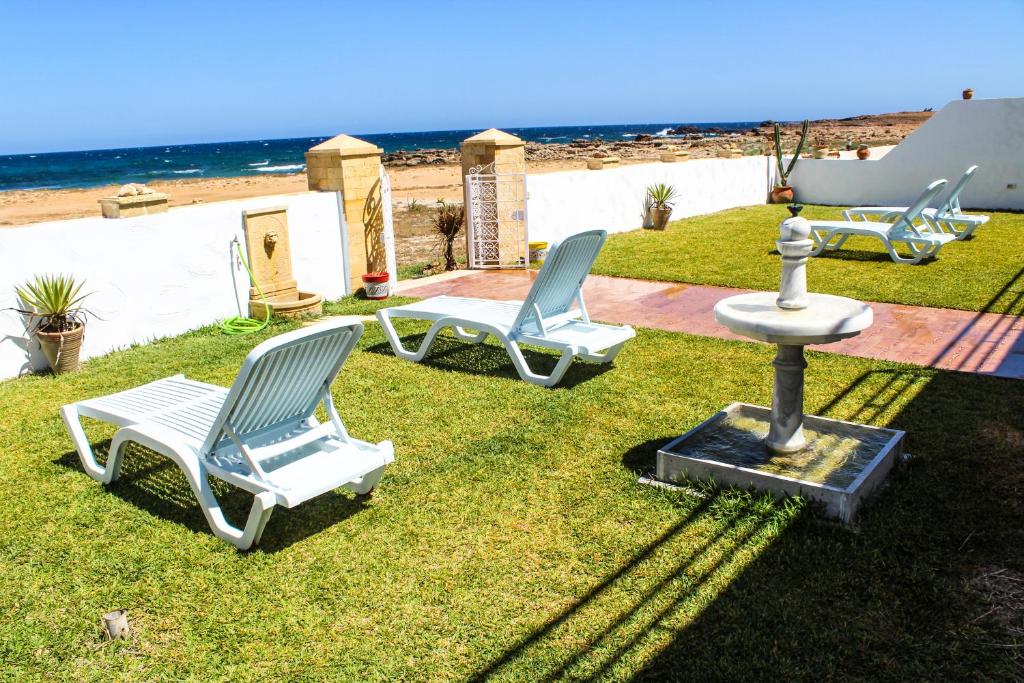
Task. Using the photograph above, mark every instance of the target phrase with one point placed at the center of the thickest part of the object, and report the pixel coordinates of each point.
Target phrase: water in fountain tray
(842, 464)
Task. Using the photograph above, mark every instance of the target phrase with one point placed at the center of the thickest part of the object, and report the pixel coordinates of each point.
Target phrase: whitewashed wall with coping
(989, 133)
(567, 202)
(161, 275)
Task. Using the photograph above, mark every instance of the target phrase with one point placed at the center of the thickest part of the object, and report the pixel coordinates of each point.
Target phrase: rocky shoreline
(872, 130)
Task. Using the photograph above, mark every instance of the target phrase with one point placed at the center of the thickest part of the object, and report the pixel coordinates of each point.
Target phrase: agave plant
(661, 195)
(785, 171)
(54, 303)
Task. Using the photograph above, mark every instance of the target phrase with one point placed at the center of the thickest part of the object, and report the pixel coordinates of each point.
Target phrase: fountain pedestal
(835, 462)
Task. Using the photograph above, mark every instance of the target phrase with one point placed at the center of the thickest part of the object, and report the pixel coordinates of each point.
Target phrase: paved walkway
(986, 343)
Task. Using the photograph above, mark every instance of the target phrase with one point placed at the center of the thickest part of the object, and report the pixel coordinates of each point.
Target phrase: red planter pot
(376, 285)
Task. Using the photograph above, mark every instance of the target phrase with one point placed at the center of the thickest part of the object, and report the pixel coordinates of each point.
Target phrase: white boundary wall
(568, 202)
(989, 133)
(161, 275)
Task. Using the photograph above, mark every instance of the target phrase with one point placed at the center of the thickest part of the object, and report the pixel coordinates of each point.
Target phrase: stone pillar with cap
(504, 153)
(352, 166)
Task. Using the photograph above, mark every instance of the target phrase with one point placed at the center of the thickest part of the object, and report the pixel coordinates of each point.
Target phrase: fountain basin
(295, 304)
(826, 318)
(841, 465)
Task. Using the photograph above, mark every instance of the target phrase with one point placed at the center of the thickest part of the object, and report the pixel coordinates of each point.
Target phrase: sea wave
(260, 163)
(189, 170)
(280, 169)
(629, 135)
(663, 133)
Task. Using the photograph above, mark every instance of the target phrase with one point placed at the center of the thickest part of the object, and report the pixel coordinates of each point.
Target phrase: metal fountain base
(842, 463)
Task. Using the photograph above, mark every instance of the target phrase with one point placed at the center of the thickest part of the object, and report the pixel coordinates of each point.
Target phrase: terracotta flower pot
(863, 152)
(660, 217)
(62, 348)
(968, 93)
(781, 194)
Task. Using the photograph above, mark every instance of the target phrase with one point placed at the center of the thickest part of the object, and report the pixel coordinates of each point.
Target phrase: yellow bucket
(538, 252)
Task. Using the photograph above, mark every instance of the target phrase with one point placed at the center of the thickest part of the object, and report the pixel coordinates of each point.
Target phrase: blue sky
(178, 72)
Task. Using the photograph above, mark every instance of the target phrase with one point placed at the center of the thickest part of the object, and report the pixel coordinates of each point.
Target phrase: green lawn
(510, 539)
(736, 248)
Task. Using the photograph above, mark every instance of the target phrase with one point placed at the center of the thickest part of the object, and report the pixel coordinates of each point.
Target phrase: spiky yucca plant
(54, 303)
(662, 195)
(784, 172)
(448, 222)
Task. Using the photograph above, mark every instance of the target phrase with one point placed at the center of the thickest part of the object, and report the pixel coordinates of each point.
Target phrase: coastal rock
(643, 137)
(129, 190)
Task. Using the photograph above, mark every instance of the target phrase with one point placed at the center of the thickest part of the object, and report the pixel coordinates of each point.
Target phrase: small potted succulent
(782, 193)
(968, 93)
(54, 312)
(660, 197)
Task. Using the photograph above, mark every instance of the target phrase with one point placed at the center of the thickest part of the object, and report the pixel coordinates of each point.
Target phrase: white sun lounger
(947, 217)
(261, 435)
(922, 241)
(546, 318)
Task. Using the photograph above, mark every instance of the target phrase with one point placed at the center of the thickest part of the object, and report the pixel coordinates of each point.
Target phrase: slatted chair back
(282, 381)
(952, 204)
(560, 279)
(905, 223)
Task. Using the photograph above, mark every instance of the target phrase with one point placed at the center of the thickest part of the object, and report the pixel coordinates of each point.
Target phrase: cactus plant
(784, 172)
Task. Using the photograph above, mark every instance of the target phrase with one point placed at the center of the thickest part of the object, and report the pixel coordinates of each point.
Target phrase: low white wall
(567, 202)
(989, 133)
(161, 275)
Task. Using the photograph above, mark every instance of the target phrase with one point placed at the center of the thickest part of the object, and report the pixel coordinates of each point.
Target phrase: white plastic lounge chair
(261, 435)
(923, 241)
(947, 217)
(546, 318)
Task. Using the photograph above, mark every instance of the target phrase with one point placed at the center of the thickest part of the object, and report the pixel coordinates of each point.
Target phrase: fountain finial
(795, 247)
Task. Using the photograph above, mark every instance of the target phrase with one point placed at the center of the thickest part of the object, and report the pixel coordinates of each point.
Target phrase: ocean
(259, 157)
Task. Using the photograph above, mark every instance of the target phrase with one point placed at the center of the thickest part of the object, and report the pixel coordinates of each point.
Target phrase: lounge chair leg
(103, 474)
(606, 357)
(523, 368)
(477, 338)
(262, 506)
(384, 317)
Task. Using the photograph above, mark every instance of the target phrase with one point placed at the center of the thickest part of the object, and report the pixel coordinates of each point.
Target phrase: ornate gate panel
(496, 221)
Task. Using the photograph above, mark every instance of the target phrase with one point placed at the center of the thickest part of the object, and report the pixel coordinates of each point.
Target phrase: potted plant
(782, 193)
(863, 152)
(661, 196)
(968, 93)
(56, 316)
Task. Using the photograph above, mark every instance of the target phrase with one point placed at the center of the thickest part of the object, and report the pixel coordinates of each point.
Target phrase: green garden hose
(239, 325)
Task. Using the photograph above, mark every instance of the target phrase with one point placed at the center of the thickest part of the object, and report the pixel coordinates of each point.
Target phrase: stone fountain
(270, 257)
(780, 449)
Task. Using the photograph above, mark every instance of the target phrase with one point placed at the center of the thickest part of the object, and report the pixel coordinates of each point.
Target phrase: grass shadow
(453, 355)
(154, 483)
(815, 601)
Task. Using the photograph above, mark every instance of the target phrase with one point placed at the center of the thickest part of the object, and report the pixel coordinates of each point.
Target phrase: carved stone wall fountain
(270, 257)
(780, 449)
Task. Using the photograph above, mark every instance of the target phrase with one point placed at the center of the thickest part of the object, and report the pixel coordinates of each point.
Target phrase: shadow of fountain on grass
(740, 589)
(819, 598)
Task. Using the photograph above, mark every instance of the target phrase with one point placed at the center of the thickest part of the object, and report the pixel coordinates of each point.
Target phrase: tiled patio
(985, 343)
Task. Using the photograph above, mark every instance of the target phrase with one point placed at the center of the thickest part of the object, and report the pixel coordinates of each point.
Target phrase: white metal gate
(496, 221)
(389, 230)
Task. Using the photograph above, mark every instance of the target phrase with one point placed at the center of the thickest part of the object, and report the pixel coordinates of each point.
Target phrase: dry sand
(426, 184)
